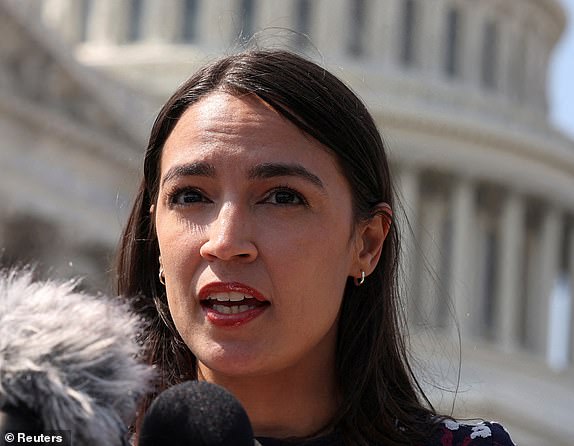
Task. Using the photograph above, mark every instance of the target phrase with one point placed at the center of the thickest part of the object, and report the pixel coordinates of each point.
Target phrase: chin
(236, 362)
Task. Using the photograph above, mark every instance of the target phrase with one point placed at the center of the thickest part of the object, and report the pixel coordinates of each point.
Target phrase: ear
(371, 235)
(152, 209)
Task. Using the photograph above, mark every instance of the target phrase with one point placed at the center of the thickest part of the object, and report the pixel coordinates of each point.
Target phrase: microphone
(196, 413)
(67, 361)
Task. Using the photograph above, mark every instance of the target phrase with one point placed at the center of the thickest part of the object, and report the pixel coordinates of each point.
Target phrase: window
(407, 54)
(489, 62)
(452, 43)
(189, 28)
(358, 17)
(302, 22)
(135, 20)
(247, 25)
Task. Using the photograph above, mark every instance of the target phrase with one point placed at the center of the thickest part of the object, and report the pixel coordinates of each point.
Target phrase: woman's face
(254, 223)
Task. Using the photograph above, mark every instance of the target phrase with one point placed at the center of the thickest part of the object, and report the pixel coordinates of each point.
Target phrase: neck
(295, 402)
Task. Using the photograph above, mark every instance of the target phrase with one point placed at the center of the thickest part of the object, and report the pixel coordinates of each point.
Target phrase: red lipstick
(231, 304)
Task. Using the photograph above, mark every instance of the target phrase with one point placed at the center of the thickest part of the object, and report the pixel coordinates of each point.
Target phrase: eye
(182, 197)
(285, 196)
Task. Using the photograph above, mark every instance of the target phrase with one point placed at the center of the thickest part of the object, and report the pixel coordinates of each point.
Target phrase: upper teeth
(229, 297)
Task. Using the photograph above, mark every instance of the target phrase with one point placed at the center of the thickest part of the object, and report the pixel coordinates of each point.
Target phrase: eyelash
(176, 193)
(289, 190)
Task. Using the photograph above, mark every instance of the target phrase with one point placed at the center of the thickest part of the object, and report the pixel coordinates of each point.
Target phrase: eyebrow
(260, 171)
(201, 169)
(271, 170)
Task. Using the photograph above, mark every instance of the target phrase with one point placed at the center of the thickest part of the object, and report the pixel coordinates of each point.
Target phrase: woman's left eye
(285, 197)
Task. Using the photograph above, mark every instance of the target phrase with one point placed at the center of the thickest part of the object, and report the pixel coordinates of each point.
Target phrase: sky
(562, 77)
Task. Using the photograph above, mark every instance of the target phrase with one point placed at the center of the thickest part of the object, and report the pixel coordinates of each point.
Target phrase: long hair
(381, 398)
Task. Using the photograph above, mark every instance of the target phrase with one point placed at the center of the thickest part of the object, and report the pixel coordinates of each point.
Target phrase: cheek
(181, 260)
(177, 238)
(313, 265)
(179, 245)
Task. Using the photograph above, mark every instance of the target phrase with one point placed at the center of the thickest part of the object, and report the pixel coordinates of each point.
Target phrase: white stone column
(63, 16)
(219, 24)
(255, 19)
(519, 80)
(330, 23)
(278, 15)
(472, 37)
(430, 307)
(109, 21)
(462, 251)
(541, 99)
(431, 45)
(385, 23)
(98, 26)
(537, 53)
(507, 40)
(511, 255)
(407, 214)
(530, 66)
(548, 264)
(161, 20)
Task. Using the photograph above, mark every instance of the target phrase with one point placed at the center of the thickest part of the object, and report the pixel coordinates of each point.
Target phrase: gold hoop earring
(161, 276)
(359, 282)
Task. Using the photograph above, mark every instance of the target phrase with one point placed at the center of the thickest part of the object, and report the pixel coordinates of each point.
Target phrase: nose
(229, 236)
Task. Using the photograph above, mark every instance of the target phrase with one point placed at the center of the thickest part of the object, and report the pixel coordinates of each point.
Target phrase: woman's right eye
(186, 196)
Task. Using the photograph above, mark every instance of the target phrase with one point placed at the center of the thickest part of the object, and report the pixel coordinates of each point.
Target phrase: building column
(462, 251)
(161, 20)
(542, 70)
(385, 23)
(472, 42)
(380, 22)
(218, 24)
(108, 22)
(508, 43)
(432, 43)
(511, 255)
(64, 16)
(430, 305)
(548, 264)
(330, 24)
(536, 54)
(276, 15)
(407, 214)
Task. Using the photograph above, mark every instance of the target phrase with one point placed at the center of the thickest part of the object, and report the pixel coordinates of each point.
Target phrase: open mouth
(232, 302)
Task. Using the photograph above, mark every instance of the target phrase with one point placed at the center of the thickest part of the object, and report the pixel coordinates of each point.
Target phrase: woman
(264, 252)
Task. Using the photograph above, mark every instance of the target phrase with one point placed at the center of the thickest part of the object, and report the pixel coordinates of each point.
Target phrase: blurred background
(473, 103)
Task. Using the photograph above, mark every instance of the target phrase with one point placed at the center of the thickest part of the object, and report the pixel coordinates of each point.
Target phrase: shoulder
(453, 433)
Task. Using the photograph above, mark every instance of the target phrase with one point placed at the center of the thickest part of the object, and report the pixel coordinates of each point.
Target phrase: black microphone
(196, 413)
(67, 361)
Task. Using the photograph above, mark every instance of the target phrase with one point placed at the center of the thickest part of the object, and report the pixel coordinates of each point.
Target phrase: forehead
(245, 127)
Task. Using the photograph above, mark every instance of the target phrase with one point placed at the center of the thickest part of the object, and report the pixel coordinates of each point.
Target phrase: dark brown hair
(381, 399)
